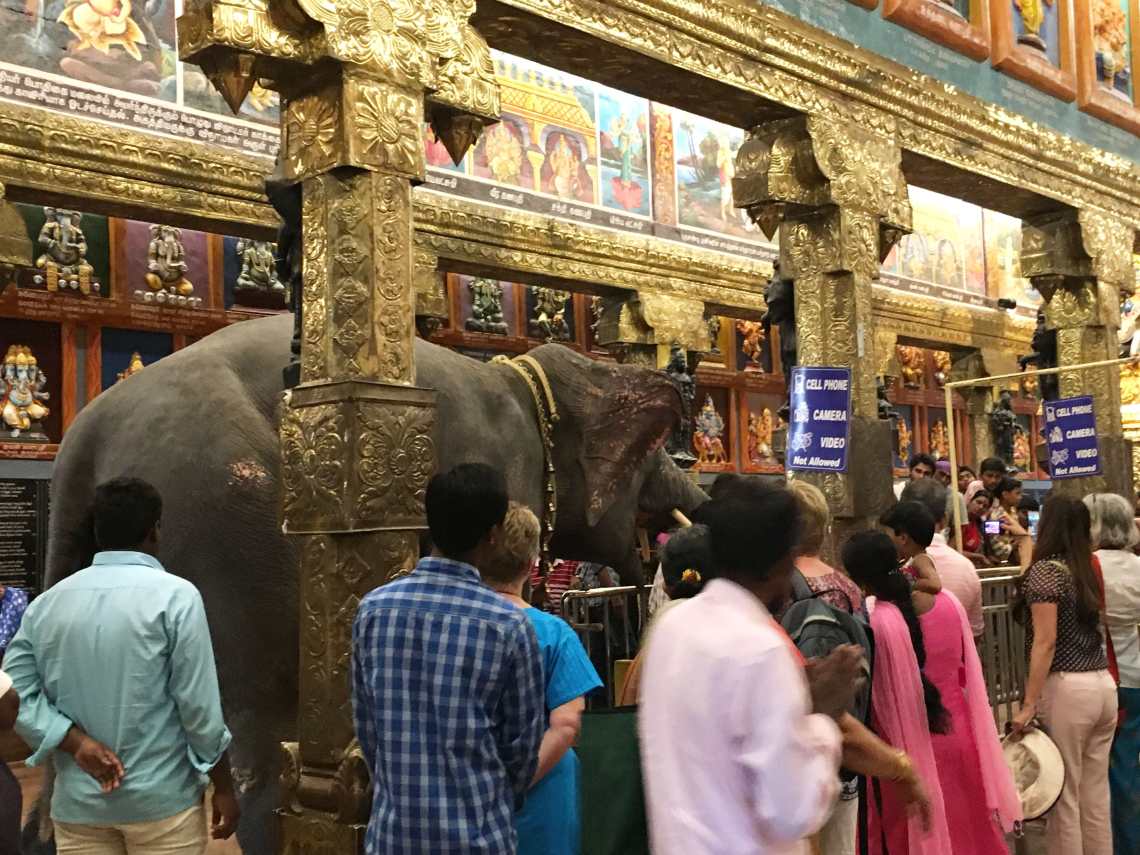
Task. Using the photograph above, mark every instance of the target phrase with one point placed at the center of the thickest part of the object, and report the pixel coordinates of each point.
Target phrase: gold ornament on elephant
(22, 395)
(166, 269)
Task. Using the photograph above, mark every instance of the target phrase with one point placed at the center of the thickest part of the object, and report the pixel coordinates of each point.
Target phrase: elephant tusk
(683, 520)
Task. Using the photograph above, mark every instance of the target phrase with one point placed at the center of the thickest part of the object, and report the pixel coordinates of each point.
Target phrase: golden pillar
(356, 434)
(1081, 262)
(836, 194)
(643, 327)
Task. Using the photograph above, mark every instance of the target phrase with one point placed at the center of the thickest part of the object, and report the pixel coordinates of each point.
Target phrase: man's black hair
(126, 511)
(1028, 503)
(921, 457)
(463, 505)
(992, 464)
(969, 469)
(928, 493)
(911, 518)
(750, 532)
(1006, 485)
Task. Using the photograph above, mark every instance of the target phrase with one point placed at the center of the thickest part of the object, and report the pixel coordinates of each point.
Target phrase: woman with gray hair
(1114, 534)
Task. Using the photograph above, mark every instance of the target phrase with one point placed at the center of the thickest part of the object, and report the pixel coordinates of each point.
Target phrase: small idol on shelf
(258, 266)
(134, 367)
(548, 320)
(911, 362)
(752, 339)
(708, 438)
(761, 432)
(22, 395)
(63, 264)
(166, 270)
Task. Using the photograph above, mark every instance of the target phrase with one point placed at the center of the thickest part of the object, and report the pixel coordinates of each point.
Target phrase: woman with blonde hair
(549, 822)
(828, 584)
(1114, 534)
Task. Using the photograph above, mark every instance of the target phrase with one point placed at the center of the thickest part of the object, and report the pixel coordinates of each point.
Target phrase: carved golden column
(1081, 262)
(641, 329)
(837, 196)
(356, 434)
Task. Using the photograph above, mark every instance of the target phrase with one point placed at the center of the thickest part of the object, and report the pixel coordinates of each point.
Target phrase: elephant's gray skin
(201, 425)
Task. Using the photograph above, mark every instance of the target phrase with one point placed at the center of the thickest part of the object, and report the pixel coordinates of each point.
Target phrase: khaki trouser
(838, 835)
(1078, 710)
(181, 834)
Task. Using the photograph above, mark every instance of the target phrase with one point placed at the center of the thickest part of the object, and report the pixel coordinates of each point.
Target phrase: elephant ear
(623, 414)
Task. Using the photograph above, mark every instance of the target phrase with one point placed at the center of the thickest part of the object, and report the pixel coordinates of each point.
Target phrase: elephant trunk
(667, 488)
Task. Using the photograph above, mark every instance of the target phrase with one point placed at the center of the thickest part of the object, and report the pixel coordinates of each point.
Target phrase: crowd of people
(787, 702)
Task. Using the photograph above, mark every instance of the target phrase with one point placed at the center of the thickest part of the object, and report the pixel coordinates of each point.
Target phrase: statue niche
(486, 307)
(22, 395)
(708, 438)
(166, 269)
(258, 266)
(64, 259)
(548, 319)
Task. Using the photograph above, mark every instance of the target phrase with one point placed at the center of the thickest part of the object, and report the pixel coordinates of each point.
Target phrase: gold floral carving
(313, 443)
(1109, 242)
(395, 458)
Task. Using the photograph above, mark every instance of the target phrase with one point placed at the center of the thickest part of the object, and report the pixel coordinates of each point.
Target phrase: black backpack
(817, 628)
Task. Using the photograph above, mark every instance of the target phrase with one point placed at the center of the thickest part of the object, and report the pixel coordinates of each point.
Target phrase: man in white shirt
(735, 760)
(958, 574)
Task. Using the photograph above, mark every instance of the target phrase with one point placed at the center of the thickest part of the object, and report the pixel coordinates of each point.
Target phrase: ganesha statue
(708, 438)
(258, 266)
(548, 320)
(22, 395)
(166, 269)
(63, 263)
(486, 307)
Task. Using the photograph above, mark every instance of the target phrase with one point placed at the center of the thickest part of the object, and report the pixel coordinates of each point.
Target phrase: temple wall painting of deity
(1037, 24)
(623, 137)
(1002, 241)
(1112, 24)
(945, 247)
(705, 158)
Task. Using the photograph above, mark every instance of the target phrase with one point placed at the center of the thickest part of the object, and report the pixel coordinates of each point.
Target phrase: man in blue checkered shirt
(448, 687)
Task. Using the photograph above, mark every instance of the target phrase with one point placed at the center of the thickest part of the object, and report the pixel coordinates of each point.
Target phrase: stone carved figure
(781, 299)
(713, 322)
(285, 197)
(133, 367)
(680, 442)
(64, 259)
(1044, 356)
(22, 408)
(886, 410)
(942, 367)
(548, 320)
(166, 265)
(912, 364)
(258, 266)
(708, 438)
(612, 416)
(752, 340)
(1004, 426)
(486, 307)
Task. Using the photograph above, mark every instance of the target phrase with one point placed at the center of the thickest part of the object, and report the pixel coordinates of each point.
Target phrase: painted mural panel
(1112, 38)
(705, 157)
(623, 147)
(1003, 260)
(945, 247)
(1037, 24)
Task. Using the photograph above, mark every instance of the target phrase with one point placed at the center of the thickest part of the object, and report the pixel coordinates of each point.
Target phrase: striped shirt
(448, 697)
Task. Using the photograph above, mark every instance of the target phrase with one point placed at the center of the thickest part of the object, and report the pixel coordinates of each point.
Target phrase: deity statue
(939, 441)
(781, 299)
(1022, 454)
(22, 395)
(680, 443)
(548, 320)
(714, 333)
(912, 363)
(708, 439)
(134, 367)
(941, 367)
(1110, 38)
(486, 307)
(258, 266)
(166, 269)
(761, 430)
(904, 441)
(886, 411)
(1032, 18)
(285, 197)
(751, 341)
(1004, 426)
(1044, 355)
(64, 261)
(1029, 387)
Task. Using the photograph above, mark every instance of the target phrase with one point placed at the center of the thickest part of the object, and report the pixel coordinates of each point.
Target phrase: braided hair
(872, 562)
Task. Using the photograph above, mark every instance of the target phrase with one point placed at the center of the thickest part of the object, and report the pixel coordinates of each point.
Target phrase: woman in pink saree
(932, 708)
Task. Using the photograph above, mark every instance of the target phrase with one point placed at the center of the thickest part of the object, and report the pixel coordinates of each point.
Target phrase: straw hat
(1038, 771)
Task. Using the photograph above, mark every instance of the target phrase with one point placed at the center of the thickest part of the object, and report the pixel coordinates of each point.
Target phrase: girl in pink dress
(977, 788)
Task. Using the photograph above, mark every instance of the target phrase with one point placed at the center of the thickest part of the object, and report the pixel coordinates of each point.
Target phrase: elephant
(202, 426)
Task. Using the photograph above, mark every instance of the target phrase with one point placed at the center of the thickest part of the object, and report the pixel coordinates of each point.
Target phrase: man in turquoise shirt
(117, 685)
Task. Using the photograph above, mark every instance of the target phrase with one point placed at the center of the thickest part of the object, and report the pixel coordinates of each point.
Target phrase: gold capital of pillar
(837, 197)
(1081, 262)
(643, 327)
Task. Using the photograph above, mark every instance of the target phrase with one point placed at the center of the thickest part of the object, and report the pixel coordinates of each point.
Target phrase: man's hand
(226, 814)
(1022, 721)
(94, 758)
(832, 680)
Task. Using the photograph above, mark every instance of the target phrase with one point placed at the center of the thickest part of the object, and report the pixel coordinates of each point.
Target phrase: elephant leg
(256, 766)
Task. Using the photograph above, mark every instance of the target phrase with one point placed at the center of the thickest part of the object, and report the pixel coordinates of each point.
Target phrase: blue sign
(1070, 430)
(821, 419)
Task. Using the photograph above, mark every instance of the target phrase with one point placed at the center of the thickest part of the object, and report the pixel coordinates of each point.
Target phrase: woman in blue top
(549, 823)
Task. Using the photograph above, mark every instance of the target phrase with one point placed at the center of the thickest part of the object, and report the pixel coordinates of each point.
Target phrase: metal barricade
(1002, 648)
(609, 622)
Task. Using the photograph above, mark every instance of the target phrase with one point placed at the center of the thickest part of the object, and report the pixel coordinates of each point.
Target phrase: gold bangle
(903, 767)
